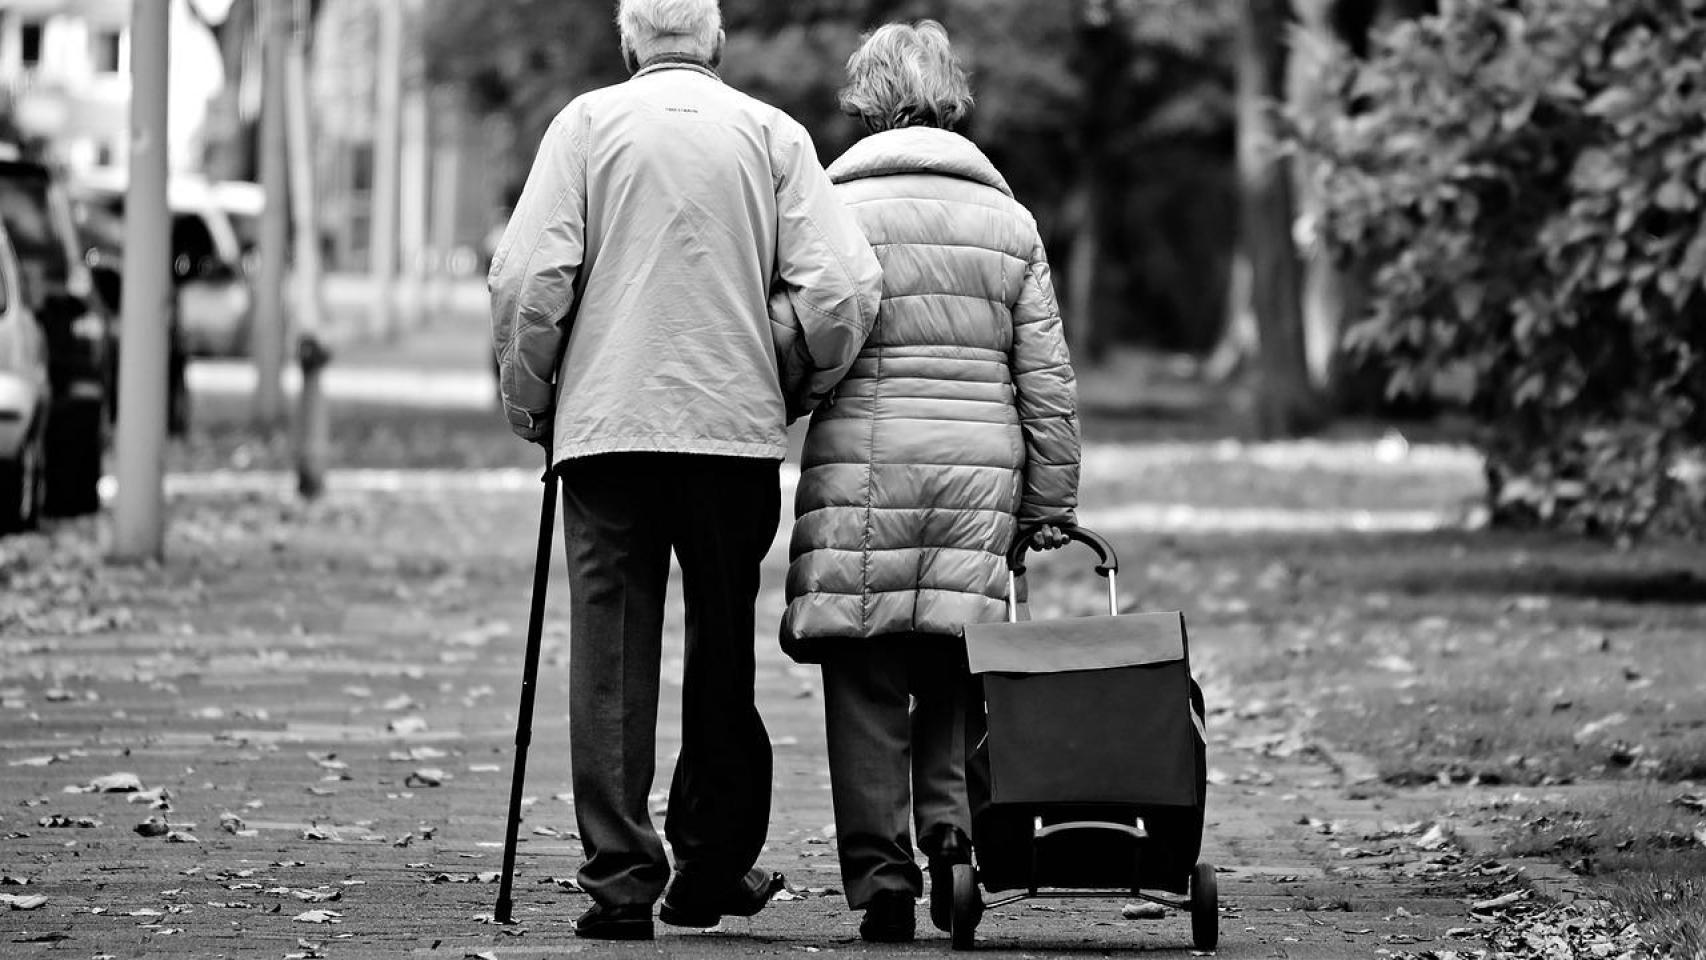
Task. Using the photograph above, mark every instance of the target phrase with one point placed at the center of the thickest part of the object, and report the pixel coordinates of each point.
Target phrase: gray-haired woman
(956, 426)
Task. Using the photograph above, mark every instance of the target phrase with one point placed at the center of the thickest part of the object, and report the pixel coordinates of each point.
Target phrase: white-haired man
(629, 312)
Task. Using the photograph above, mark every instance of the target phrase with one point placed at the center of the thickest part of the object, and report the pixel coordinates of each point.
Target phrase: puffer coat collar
(917, 150)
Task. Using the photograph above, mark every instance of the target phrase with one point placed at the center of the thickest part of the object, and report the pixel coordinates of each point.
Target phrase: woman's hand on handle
(1048, 537)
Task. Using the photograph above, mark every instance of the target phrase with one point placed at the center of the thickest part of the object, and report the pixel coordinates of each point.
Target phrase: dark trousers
(622, 515)
(894, 710)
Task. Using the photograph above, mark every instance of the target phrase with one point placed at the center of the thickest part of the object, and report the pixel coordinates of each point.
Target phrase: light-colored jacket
(629, 290)
(957, 422)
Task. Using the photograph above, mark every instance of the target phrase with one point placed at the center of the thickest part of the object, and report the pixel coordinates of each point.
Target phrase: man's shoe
(629, 921)
(687, 906)
(944, 846)
(890, 918)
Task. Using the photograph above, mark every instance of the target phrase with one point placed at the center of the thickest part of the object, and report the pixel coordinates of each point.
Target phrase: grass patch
(1670, 907)
(1651, 843)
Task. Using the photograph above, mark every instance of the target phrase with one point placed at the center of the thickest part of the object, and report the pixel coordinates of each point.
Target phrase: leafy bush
(1525, 178)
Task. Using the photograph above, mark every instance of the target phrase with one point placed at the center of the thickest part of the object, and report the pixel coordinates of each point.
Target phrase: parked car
(213, 295)
(25, 399)
(58, 286)
(100, 226)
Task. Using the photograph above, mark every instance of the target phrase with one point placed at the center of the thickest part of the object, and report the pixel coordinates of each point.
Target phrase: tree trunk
(1083, 263)
(1286, 403)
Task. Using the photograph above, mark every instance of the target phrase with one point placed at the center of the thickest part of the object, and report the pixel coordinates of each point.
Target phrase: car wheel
(21, 486)
(76, 438)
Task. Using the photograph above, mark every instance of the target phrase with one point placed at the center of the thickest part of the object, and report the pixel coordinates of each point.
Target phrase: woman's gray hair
(653, 27)
(906, 74)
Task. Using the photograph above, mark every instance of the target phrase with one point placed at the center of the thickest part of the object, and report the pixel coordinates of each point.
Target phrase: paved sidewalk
(324, 698)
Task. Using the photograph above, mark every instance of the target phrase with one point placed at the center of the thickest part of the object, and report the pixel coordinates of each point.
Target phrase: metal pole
(139, 523)
(414, 169)
(447, 173)
(529, 679)
(382, 248)
(268, 338)
(312, 429)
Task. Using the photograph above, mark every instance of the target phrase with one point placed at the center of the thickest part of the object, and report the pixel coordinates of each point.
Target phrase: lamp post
(139, 525)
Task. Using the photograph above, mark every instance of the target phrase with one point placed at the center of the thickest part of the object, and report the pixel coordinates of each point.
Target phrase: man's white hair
(653, 27)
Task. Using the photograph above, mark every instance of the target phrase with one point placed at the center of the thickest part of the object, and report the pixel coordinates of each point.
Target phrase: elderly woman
(955, 428)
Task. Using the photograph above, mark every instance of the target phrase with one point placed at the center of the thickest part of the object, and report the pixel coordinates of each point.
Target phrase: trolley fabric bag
(1088, 709)
(1087, 764)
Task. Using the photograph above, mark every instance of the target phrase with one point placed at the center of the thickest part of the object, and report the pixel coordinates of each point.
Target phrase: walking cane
(529, 674)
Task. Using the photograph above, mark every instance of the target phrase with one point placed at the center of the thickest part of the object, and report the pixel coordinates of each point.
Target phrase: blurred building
(65, 80)
(445, 186)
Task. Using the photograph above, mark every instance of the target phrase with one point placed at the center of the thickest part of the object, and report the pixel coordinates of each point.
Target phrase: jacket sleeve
(532, 280)
(827, 278)
(1046, 393)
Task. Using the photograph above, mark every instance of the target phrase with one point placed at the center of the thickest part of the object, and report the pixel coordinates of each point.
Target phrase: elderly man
(629, 311)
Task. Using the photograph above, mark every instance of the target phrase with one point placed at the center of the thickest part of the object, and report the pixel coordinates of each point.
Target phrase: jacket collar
(917, 150)
(672, 62)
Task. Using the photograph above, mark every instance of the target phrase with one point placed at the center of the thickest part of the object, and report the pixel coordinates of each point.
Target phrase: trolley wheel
(968, 907)
(1205, 908)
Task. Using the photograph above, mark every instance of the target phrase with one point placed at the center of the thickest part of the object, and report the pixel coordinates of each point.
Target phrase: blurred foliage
(1135, 92)
(1526, 176)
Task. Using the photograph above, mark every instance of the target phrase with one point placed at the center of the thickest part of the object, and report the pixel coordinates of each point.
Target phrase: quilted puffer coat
(957, 422)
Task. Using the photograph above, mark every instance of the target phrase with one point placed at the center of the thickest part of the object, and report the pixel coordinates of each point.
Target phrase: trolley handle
(1110, 562)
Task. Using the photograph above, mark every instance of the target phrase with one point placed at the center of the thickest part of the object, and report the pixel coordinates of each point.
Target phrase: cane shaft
(529, 678)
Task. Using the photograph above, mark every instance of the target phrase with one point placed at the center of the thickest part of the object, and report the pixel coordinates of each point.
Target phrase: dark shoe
(684, 905)
(890, 918)
(630, 921)
(944, 846)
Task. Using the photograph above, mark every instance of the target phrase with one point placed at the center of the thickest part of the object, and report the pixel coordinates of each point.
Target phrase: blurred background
(1267, 219)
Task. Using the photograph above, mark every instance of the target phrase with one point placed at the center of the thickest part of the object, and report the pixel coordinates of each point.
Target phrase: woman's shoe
(943, 847)
(890, 918)
(628, 921)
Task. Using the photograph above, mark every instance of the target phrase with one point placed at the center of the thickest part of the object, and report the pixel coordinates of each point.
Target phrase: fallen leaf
(1691, 801)
(1143, 911)
(1486, 906)
(426, 777)
(35, 761)
(116, 783)
(153, 827)
(53, 937)
(1437, 838)
(414, 723)
(318, 916)
(17, 902)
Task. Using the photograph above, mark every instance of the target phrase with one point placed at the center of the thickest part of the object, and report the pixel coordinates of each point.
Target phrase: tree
(1527, 183)
(1111, 119)
(1286, 402)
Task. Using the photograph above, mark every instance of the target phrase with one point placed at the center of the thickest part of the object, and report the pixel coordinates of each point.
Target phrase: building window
(29, 42)
(106, 50)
